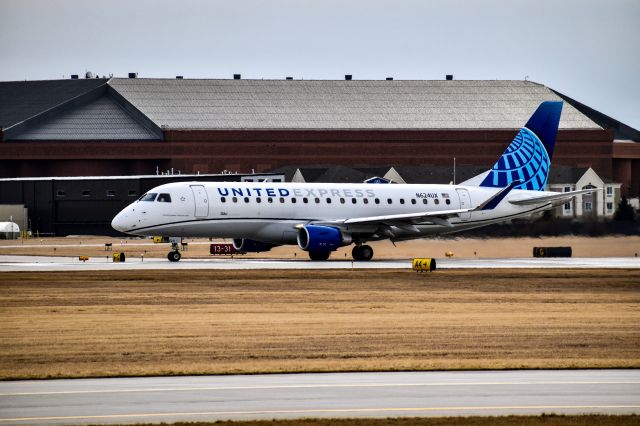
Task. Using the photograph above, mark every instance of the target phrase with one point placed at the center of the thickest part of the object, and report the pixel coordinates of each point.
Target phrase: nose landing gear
(174, 254)
(362, 252)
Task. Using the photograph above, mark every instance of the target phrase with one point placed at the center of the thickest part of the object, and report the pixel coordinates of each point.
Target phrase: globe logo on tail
(526, 160)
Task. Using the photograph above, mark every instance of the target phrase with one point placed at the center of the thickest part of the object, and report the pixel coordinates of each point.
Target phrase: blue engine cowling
(316, 238)
(251, 246)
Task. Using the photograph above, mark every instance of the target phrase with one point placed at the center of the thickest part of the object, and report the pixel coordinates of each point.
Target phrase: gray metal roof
(100, 119)
(339, 104)
(21, 100)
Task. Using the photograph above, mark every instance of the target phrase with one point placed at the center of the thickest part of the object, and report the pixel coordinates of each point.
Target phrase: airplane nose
(119, 223)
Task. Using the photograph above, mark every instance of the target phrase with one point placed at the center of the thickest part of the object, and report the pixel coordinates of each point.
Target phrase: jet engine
(250, 246)
(316, 238)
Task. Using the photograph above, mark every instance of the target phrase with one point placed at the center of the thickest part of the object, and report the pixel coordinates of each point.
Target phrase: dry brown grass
(544, 420)
(83, 324)
(462, 248)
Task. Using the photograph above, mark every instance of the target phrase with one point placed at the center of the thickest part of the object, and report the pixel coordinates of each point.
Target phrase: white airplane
(321, 217)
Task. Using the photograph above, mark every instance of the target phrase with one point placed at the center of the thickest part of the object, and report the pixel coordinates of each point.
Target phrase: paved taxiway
(169, 399)
(44, 263)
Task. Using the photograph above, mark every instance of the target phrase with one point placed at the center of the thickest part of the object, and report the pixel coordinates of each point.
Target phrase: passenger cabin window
(164, 198)
(111, 193)
(151, 196)
(61, 193)
(86, 193)
(132, 193)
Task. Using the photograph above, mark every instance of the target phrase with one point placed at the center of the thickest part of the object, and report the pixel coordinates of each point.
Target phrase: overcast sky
(586, 49)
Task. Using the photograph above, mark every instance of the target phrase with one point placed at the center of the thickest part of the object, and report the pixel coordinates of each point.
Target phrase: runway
(170, 399)
(46, 263)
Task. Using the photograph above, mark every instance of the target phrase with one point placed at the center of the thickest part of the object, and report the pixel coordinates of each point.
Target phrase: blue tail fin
(528, 157)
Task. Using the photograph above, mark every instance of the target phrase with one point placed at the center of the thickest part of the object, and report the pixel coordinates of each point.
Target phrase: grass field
(611, 246)
(544, 420)
(84, 324)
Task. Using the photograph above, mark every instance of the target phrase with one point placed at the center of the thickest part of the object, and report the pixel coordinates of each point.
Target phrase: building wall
(626, 166)
(243, 151)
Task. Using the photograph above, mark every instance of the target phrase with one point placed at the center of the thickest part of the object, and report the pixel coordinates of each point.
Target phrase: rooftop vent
(389, 78)
(237, 76)
(347, 76)
(178, 77)
(289, 78)
(74, 76)
(449, 77)
(133, 75)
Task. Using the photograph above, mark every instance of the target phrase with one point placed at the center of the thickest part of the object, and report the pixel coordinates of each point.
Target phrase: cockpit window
(164, 198)
(150, 196)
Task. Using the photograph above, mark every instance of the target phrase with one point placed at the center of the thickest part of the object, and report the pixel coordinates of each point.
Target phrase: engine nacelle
(316, 238)
(250, 246)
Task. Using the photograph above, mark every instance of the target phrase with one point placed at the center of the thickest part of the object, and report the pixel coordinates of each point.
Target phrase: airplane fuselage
(270, 212)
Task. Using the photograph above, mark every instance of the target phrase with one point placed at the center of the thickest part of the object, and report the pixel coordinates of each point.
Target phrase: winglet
(493, 201)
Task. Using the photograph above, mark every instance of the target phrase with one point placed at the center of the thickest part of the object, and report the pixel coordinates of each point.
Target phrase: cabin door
(465, 203)
(201, 200)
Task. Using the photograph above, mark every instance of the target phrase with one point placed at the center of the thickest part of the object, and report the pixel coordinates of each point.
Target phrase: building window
(587, 206)
(86, 193)
(609, 206)
(567, 189)
(609, 191)
(111, 193)
(567, 206)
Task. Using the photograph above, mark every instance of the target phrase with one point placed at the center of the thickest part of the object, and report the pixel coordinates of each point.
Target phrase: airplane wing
(408, 220)
(559, 198)
(439, 217)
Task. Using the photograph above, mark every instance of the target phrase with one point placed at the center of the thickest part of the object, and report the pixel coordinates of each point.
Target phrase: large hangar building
(136, 126)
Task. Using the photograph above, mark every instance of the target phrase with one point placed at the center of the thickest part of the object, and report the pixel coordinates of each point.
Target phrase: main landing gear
(319, 255)
(362, 252)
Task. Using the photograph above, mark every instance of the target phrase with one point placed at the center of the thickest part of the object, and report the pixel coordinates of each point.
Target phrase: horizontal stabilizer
(559, 198)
